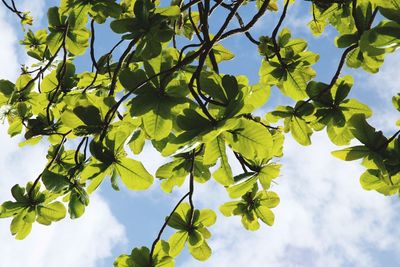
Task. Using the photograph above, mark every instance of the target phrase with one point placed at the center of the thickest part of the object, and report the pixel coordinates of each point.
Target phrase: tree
(166, 90)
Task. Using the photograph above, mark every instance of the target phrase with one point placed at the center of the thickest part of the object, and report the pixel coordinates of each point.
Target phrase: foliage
(166, 90)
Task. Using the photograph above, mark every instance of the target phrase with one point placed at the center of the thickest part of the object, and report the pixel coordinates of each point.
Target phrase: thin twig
(165, 225)
(56, 154)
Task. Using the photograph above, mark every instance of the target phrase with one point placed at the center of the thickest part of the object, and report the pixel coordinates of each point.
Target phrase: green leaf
(133, 174)
(346, 40)
(171, 11)
(267, 174)
(351, 153)
(137, 141)
(196, 239)
(123, 261)
(228, 208)
(140, 256)
(52, 212)
(19, 227)
(95, 172)
(242, 188)
(250, 222)
(390, 9)
(15, 128)
(385, 34)
(250, 139)
(18, 193)
(55, 182)
(9, 209)
(221, 53)
(202, 252)
(177, 242)
(301, 132)
(265, 214)
(216, 149)
(370, 180)
(268, 199)
(365, 133)
(75, 206)
(207, 217)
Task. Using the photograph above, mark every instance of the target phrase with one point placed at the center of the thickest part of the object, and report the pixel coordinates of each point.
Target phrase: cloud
(325, 218)
(9, 65)
(36, 8)
(378, 89)
(387, 80)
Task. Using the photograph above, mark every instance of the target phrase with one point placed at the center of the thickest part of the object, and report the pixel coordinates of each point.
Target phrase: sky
(325, 218)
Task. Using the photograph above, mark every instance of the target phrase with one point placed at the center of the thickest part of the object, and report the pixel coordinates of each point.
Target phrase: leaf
(123, 261)
(52, 212)
(133, 174)
(207, 217)
(15, 128)
(140, 256)
(385, 34)
(250, 222)
(171, 11)
(202, 252)
(265, 214)
(242, 188)
(18, 193)
(19, 227)
(173, 174)
(55, 182)
(370, 181)
(301, 132)
(155, 125)
(267, 173)
(221, 53)
(268, 199)
(250, 139)
(177, 242)
(75, 206)
(9, 209)
(137, 141)
(95, 172)
(365, 133)
(228, 208)
(340, 136)
(196, 239)
(351, 153)
(390, 9)
(216, 149)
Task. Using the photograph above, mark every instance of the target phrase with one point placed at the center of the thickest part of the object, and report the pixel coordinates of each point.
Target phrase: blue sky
(324, 219)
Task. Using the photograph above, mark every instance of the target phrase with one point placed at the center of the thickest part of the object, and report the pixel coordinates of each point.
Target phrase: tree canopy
(165, 90)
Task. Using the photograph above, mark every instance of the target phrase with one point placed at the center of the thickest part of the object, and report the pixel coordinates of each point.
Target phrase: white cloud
(9, 63)
(387, 80)
(378, 90)
(36, 8)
